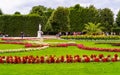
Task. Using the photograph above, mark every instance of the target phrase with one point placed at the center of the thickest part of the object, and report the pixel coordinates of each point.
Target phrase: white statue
(39, 27)
(39, 33)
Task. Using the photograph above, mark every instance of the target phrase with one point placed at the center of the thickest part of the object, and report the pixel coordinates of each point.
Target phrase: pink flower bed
(61, 59)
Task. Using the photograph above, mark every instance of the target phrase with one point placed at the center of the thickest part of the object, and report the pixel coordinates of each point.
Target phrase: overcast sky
(24, 6)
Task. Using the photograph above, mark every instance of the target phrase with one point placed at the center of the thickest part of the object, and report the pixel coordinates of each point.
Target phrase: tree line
(61, 19)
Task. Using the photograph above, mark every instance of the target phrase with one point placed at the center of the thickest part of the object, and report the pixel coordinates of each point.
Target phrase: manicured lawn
(10, 46)
(92, 44)
(61, 69)
(59, 51)
(92, 68)
(55, 40)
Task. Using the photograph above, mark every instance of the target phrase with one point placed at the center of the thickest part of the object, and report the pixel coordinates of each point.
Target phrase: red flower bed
(27, 45)
(54, 59)
(81, 46)
(62, 45)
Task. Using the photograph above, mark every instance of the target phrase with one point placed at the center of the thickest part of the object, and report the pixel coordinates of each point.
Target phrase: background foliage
(71, 19)
(14, 24)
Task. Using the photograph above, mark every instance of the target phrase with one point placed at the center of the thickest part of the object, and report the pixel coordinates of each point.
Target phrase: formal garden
(59, 56)
(86, 42)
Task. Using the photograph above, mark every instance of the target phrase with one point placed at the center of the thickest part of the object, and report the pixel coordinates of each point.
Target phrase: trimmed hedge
(14, 24)
(90, 37)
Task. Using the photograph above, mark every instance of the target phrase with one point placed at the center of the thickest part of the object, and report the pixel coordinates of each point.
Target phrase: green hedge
(14, 24)
(90, 37)
(116, 30)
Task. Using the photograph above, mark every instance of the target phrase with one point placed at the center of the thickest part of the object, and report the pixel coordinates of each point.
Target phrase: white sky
(24, 6)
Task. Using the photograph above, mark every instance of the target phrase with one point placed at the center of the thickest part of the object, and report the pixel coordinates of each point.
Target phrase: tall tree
(1, 13)
(80, 16)
(40, 10)
(76, 18)
(92, 14)
(106, 18)
(59, 20)
(118, 19)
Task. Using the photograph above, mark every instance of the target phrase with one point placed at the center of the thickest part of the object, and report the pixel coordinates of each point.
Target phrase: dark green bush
(14, 24)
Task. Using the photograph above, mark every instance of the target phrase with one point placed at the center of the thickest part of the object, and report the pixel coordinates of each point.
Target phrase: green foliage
(38, 10)
(14, 24)
(76, 21)
(80, 16)
(1, 13)
(44, 12)
(116, 30)
(72, 19)
(118, 19)
(106, 19)
(93, 29)
(59, 20)
(17, 13)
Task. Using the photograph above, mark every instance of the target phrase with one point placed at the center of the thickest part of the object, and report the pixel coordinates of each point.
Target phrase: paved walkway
(49, 36)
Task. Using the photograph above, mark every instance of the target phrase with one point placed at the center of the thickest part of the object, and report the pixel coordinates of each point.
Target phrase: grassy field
(91, 68)
(59, 51)
(61, 69)
(10, 46)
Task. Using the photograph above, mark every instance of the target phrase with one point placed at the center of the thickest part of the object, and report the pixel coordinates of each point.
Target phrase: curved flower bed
(81, 46)
(28, 47)
(61, 59)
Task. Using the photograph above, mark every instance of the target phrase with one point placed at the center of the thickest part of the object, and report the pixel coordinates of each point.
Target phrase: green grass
(86, 43)
(56, 40)
(91, 68)
(10, 46)
(61, 69)
(59, 51)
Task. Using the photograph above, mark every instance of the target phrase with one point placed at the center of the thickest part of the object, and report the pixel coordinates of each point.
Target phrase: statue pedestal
(39, 34)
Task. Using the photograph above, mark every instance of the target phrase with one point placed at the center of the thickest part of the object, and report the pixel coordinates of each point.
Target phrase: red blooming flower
(96, 59)
(101, 56)
(87, 59)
